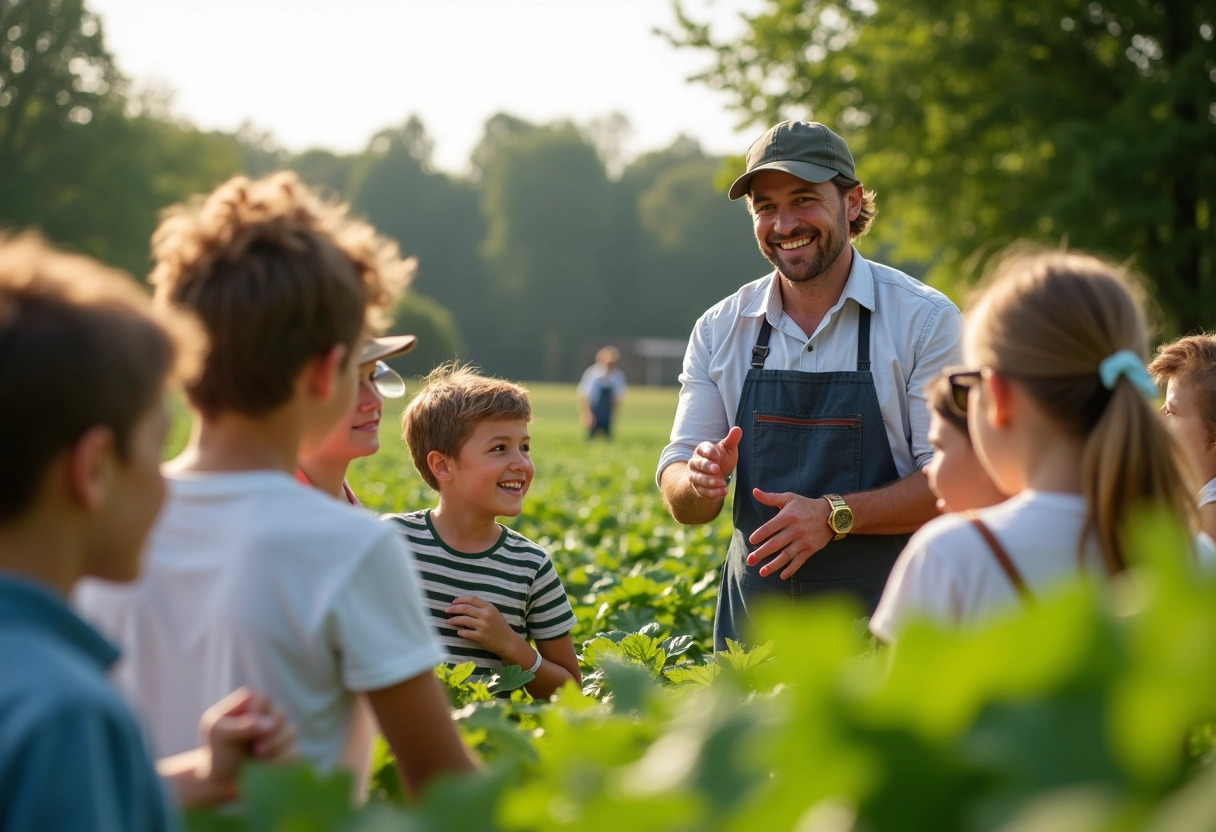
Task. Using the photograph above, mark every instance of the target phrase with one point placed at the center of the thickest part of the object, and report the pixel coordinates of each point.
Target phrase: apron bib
(810, 434)
(601, 407)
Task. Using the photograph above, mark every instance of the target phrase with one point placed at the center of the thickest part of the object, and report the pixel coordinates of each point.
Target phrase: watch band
(837, 503)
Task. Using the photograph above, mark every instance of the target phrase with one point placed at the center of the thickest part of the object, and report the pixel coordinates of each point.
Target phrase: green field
(1089, 711)
(561, 453)
(594, 505)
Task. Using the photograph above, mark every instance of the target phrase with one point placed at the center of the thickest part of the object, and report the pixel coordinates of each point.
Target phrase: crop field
(595, 507)
(1092, 710)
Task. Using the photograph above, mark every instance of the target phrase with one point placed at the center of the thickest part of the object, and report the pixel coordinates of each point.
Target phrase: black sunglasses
(960, 383)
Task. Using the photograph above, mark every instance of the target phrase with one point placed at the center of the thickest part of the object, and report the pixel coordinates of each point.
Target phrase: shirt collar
(859, 287)
(31, 604)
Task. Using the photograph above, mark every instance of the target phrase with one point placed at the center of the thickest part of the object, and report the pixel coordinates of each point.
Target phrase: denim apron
(810, 434)
(601, 408)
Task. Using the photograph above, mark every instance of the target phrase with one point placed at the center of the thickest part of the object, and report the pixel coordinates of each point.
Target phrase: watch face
(842, 520)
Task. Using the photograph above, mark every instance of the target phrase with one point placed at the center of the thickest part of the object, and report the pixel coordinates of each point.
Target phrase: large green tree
(435, 219)
(546, 202)
(55, 74)
(80, 160)
(701, 245)
(981, 121)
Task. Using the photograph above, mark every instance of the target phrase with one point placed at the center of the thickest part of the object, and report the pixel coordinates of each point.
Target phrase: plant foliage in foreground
(1079, 714)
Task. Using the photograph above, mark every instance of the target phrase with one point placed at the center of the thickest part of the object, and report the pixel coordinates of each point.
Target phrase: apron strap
(863, 341)
(1003, 559)
(760, 351)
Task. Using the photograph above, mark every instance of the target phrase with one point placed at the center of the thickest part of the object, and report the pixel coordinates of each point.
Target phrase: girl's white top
(947, 572)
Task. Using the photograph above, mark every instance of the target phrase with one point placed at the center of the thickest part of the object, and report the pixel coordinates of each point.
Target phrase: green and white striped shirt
(515, 575)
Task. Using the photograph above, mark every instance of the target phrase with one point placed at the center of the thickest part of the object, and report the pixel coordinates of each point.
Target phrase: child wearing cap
(81, 488)
(488, 588)
(252, 577)
(357, 434)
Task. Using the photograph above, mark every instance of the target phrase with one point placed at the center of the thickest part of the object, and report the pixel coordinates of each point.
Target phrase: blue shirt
(71, 753)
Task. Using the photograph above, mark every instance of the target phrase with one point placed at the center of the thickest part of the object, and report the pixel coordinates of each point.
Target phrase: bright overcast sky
(330, 73)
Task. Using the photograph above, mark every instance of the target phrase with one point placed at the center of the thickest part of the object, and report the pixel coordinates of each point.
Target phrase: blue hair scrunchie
(1126, 364)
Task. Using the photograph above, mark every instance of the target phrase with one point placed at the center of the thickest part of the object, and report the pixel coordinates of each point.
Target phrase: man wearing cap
(808, 387)
(358, 433)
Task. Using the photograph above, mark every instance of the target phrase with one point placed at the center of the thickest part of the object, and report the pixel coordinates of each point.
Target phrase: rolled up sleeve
(940, 347)
(701, 414)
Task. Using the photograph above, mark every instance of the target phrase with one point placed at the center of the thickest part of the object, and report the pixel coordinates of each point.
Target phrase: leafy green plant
(1092, 711)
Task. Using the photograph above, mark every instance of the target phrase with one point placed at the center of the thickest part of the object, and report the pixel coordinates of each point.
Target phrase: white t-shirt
(947, 572)
(252, 578)
(1207, 494)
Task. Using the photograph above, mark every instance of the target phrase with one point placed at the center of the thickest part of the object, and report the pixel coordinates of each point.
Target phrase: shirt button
(810, 347)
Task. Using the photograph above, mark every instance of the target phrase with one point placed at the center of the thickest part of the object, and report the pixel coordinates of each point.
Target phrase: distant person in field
(494, 596)
(80, 490)
(600, 392)
(252, 577)
(807, 386)
(956, 476)
(1060, 407)
(357, 434)
(1187, 368)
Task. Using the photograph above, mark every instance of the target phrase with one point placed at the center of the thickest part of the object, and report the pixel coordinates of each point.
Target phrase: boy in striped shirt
(489, 589)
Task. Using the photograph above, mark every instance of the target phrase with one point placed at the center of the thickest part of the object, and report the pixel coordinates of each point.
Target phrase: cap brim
(806, 171)
(386, 347)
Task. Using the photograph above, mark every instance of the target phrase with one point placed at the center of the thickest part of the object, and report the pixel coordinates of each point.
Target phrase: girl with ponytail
(1060, 409)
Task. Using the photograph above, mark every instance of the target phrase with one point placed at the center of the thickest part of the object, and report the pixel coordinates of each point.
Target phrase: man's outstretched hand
(712, 463)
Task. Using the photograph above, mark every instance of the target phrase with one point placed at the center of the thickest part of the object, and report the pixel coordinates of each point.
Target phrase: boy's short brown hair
(453, 400)
(278, 277)
(1191, 361)
(80, 346)
(939, 394)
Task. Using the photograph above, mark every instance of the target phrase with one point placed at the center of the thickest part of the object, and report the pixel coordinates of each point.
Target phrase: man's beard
(828, 249)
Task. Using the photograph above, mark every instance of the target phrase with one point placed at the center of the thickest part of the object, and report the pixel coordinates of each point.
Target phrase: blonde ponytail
(1050, 319)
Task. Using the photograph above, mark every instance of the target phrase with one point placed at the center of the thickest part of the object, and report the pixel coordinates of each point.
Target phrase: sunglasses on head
(960, 383)
(387, 382)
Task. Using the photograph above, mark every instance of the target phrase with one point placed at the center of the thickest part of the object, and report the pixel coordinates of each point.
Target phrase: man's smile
(790, 245)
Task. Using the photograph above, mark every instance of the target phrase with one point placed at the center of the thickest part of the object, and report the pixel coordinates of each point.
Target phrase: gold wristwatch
(840, 520)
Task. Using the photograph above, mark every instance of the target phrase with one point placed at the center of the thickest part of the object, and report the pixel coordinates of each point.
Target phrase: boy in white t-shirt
(252, 577)
(1187, 369)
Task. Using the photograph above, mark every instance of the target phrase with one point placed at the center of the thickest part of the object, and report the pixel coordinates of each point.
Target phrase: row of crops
(1092, 711)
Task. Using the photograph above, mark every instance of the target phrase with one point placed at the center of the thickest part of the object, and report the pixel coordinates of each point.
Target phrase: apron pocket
(801, 454)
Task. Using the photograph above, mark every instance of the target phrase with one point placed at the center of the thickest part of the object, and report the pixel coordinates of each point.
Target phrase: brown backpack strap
(1002, 557)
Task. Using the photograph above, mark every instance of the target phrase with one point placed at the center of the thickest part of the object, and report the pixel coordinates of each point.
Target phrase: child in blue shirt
(83, 363)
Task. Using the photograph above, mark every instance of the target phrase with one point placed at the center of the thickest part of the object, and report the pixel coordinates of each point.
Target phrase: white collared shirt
(915, 333)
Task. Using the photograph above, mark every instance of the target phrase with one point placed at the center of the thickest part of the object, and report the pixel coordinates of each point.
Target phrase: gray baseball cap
(805, 149)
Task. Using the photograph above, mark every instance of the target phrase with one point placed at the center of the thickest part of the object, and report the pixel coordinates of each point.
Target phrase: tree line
(523, 262)
(1088, 124)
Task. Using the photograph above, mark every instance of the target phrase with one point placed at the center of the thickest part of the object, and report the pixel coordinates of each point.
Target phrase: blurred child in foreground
(83, 364)
(1060, 407)
(252, 577)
